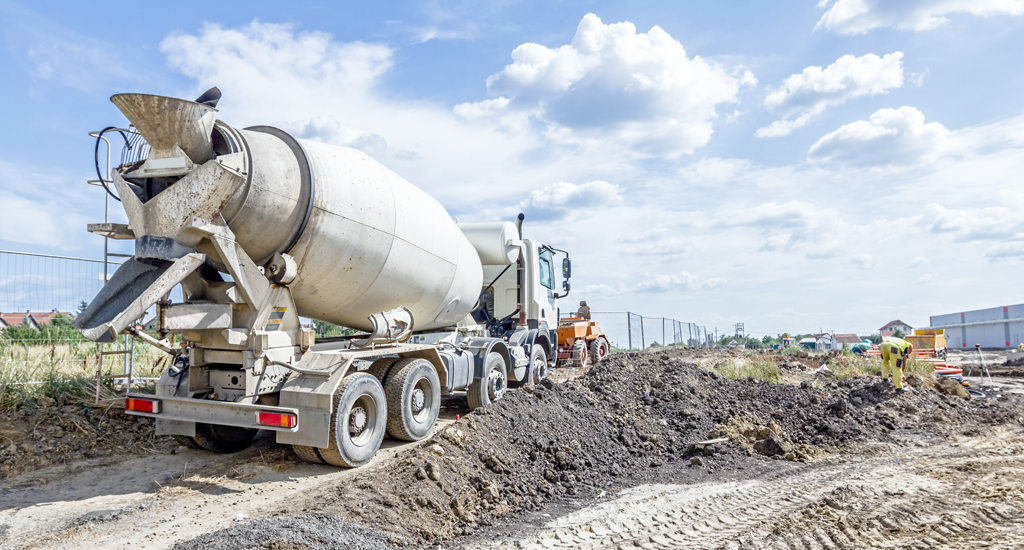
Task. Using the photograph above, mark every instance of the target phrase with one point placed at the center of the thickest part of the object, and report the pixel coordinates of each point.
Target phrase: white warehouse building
(995, 327)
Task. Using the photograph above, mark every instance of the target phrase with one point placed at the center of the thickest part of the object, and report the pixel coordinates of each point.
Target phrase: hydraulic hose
(96, 157)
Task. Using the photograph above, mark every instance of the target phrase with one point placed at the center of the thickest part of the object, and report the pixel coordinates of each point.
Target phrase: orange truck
(928, 342)
(581, 340)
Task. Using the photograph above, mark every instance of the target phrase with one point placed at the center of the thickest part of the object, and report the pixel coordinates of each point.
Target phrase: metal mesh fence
(628, 330)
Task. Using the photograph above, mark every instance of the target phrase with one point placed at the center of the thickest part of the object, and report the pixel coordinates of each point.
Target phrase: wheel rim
(421, 401)
(362, 418)
(495, 384)
(540, 369)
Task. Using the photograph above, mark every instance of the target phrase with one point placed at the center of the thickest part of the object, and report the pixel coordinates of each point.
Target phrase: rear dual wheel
(358, 421)
(223, 439)
(492, 386)
(414, 399)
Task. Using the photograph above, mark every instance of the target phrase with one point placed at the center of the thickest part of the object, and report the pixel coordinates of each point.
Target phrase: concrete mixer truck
(262, 230)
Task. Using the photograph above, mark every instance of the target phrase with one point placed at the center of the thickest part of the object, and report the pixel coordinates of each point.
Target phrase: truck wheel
(538, 365)
(309, 454)
(490, 388)
(187, 441)
(414, 399)
(579, 353)
(381, 368)
(224, 439)
(358, 421)
(599, 350)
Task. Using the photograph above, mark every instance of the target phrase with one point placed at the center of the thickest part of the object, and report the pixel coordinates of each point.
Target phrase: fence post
(629, 328)
(664, 342)
(643, 342)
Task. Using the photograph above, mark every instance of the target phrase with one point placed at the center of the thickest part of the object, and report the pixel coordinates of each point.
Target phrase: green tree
(898, 333)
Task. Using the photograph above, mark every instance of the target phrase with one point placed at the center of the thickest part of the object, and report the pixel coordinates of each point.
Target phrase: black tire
(382, 367)
(599, 350)
(414, 399)
(538, 365)
(493, 385)
(309, 454)
(224, 439)
(358, 421)
(187, 441)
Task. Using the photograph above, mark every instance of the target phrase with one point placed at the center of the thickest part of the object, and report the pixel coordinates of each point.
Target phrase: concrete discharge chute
(259, 228)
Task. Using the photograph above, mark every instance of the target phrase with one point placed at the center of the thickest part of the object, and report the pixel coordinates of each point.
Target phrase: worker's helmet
(910, 348)
(583, 303)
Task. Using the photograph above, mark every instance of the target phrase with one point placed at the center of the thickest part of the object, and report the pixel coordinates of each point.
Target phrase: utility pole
(739, 329)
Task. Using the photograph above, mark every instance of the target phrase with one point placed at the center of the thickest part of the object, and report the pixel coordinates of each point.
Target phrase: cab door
(546, 297)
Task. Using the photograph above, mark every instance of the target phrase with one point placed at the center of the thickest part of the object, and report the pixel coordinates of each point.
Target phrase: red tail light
(284, 420)
(142, 405)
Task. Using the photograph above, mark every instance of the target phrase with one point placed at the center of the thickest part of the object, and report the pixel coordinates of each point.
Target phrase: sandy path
(153, 502)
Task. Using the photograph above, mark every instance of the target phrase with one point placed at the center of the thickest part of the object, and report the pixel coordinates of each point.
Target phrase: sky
(794, 166)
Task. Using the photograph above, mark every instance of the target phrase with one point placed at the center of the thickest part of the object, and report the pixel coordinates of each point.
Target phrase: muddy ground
(612, 459)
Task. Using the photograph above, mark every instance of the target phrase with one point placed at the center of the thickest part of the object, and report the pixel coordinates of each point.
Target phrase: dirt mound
(634, 418)
(314, 532)
(35, 437)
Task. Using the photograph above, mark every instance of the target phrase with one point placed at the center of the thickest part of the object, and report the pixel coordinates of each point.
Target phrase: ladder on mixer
(110, 231)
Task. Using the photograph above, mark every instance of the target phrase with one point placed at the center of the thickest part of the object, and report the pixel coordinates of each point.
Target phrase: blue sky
(789, 165)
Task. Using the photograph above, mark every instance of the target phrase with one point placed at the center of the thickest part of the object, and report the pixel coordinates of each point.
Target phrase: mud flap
(133, 289)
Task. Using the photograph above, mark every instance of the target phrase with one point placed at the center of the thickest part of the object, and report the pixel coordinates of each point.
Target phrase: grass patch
(32, 368)
(763, 368)
(852, 366)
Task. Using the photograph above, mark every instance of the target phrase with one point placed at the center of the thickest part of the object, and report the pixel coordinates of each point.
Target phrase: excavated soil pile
(635, 418)
(312, 532)
(35, 437)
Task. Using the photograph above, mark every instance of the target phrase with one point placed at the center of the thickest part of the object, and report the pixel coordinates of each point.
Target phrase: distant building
(34, 319)
(810, 342)
(995, 327)
(892, 326)
(15, 319)
(848, 340)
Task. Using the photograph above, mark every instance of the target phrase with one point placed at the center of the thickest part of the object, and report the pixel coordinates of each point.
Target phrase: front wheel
(538, 365)
(358, 421)
(492, 386)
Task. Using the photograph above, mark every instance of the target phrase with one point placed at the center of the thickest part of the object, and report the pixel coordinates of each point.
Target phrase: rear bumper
(216, 412)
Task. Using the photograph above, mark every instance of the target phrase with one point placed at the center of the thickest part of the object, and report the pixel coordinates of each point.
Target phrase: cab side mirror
(565, 287)
(566, 269)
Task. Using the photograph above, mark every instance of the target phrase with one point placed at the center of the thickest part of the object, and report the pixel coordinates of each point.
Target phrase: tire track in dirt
(913, 500)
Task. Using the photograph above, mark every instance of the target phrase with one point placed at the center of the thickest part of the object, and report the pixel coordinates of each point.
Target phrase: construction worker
(895, 352)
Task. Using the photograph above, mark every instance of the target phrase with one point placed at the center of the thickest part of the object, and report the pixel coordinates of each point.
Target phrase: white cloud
(926, 278)
(327, 129)
(1005, 251)
(860, 16)
(563, 199)
(807, 94)
(612, 87)
(972, 224)
(58, 54)
(662, 242)
(36, 215)
(659, 283)
(863, 261)
(891, 138)
(919, 261)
